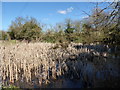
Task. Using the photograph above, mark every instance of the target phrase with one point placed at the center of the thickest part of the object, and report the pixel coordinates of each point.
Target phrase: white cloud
(68, 10)
(62, 12)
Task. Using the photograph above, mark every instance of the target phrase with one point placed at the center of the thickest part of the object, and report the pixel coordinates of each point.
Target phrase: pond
(105, 75)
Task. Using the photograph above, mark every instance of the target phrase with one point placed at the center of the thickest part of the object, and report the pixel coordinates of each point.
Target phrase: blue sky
(48, 13)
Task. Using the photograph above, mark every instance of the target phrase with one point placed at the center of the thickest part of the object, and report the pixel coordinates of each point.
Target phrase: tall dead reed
(37, 63)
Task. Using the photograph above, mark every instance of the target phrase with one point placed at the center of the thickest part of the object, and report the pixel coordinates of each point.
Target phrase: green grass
(11, 87)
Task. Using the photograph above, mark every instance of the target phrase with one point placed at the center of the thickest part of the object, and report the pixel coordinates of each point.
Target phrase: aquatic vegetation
(30, 64)
(10, 87)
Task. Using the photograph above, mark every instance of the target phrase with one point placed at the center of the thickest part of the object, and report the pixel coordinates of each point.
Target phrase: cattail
(26, 62)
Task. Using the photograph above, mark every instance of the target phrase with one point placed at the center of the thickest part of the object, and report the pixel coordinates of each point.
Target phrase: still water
(105, 75)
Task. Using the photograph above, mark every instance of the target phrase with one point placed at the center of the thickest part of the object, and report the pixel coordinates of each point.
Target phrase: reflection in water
(90, 77)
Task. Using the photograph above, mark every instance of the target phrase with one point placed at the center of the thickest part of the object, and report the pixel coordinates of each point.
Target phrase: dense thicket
(97, 27)
(25, 29)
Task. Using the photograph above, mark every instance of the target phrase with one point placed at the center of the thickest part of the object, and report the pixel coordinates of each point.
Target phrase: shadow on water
(89, 70)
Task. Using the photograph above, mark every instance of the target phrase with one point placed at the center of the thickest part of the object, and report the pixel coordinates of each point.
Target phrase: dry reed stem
(36, 60)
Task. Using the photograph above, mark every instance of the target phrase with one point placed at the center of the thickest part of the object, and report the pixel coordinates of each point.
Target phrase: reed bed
(37, 63)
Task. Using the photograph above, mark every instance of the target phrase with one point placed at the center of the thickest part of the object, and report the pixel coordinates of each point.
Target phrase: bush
(4, 35)
(25, 29)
